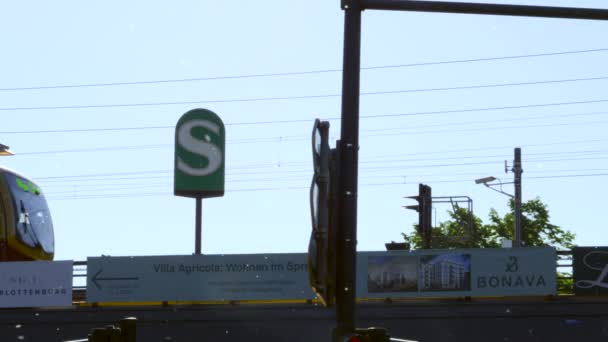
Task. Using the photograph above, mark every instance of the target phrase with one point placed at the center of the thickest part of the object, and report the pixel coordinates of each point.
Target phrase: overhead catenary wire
(308, 72)
(374, 167)
(110, 129)
(300, 188)
(299, 97)
(306, 137)
(104, 187)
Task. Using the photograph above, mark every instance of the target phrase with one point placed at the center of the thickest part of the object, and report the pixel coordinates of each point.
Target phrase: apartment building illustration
(393, 274)
(445, 273)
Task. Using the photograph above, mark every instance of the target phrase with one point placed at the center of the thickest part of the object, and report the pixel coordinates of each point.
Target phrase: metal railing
(565, 281)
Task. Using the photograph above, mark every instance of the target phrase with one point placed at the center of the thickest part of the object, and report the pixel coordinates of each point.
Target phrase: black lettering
(506, 281)
(481, 282)
(530, 280)
(494, 282)
(246, 268)
(541, 281)
(292, 267)
(277, 267)
(519, 282)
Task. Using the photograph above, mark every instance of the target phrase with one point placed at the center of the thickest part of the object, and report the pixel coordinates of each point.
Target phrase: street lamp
(487, 181)
(4, 151)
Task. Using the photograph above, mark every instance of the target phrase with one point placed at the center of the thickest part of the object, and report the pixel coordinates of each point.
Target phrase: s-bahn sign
(200, 141)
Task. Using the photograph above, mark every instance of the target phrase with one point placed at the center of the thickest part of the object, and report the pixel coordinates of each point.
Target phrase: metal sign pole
(200, 141)
(199, 226)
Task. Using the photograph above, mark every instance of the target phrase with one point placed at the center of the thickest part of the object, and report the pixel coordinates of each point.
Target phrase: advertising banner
(198, 278)
(35, 284)
(590, 266)
(267, 277)
(457, 273)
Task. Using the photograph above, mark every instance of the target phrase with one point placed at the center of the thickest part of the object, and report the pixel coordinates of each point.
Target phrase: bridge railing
(565, 281)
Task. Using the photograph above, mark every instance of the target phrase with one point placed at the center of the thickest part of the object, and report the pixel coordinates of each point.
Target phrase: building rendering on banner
(443, 274)
(392, 274)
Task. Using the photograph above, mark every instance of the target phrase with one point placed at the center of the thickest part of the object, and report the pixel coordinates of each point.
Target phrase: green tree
(463, 230)
(457, 232)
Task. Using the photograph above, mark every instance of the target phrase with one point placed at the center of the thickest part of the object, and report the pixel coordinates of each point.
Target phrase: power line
(301, 97)
(466, 123)
(295, 73)
(477, 129)
(83, 189)
(136, 175)
(305, 137)
(82, 130)
(492, 148)
(113, 196)
(570, 176)
(462, 123)
(554, 104)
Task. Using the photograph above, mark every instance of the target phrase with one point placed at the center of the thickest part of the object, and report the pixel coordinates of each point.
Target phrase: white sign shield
(35, 284)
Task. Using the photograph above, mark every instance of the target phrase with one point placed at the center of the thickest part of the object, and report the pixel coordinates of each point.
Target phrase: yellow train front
(26, 227)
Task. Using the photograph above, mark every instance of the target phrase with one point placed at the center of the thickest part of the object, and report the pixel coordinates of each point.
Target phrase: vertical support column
(517, 170)
(346, 257)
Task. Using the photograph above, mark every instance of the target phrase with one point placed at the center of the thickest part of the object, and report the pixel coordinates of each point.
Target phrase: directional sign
(98, 279)
(198, 278)
(200, 140)
(35, 284)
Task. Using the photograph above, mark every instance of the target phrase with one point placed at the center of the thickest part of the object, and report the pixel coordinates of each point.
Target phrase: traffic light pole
(346, 258)
(349, 160)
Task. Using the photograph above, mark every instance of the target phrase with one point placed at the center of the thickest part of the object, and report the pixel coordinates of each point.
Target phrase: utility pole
(517, 170)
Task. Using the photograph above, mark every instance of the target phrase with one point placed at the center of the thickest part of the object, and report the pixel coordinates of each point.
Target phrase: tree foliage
(465, 231)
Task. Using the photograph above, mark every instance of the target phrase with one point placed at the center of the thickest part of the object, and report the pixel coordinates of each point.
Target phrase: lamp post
(517, 171)
(488, 182)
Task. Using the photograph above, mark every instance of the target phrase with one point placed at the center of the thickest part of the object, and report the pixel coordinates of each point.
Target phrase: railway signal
(321, 249)
(425, 215)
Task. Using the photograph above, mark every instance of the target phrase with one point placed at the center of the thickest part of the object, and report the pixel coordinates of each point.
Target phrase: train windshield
(34, 225)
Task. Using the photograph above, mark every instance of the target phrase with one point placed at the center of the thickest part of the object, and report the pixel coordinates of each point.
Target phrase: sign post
(200, 141)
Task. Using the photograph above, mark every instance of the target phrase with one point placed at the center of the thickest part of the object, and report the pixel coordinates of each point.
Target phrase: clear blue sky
(110, 191)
